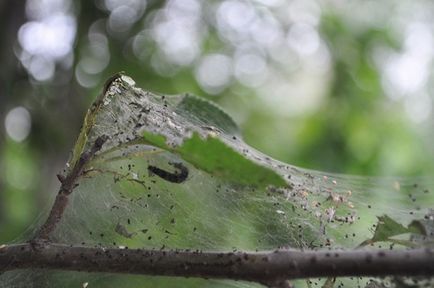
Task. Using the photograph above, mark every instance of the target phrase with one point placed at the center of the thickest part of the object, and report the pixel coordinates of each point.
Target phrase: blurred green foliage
(322, 102)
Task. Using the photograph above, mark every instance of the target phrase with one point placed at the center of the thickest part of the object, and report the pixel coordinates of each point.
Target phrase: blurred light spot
(214, 73)
(183, 8)
(41, 69)
(408, 72)
(418, 107)
(18, 123)
(90, 65)
(112, 5)
(251, 69)
(304, 11)
(234, 19)
(98, 26)
(236, 14)
(320, 61)
(299, 96)
(141, 45)
(160, 64)
(284, 57)
(122, 18)
(97, 55)
(178, 30)
(84, 79)
(124, 13)
(51, 37)
(177, 42)
(266, 31)
(419, 38)
(48, 39)
(21, 172)
(39, 9)
(271, 3)
(303, 39)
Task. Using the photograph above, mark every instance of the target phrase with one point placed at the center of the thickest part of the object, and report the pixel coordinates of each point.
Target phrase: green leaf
(425, 226)
(206, 112)
(215, 157)
(387, 227)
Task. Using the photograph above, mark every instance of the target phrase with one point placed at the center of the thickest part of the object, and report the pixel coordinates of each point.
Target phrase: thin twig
(261, 267)
(68, 184)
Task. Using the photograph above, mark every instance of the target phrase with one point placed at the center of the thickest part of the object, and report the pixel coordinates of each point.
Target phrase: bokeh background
(339, 86)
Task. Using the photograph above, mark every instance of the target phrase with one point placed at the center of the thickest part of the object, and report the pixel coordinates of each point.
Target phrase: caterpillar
(177, 177)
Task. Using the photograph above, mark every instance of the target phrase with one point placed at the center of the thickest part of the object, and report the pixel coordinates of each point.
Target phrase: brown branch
(68, 184)
(262, 267)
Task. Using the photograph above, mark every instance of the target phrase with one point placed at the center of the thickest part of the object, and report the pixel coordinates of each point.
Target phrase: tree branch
(262, 267)
(68, 184)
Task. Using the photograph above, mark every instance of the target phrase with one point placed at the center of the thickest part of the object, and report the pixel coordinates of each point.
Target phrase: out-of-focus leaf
(387, 227)
(426, 226)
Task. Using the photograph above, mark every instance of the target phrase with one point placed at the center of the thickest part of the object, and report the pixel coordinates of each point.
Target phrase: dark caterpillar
(177, 177)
